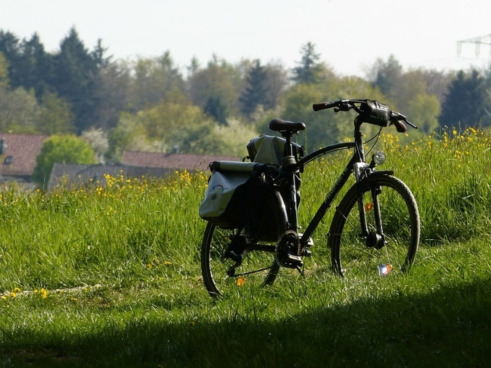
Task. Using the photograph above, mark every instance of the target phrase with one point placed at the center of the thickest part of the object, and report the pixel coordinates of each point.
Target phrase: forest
(152, 104)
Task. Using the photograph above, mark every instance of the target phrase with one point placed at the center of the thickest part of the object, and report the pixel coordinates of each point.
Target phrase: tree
(325, 127)
(220, 83)
(216, 109)
(153, 81)
(77, 79)
(387, 74)
(466, 101)
(34, 66)
(55, 116)
(255, 93)
(19, 111)
(61, 149)
(4, 73)
(10, 48)
(309, 69)
(113, 94)
(160, 128)
(99, 142)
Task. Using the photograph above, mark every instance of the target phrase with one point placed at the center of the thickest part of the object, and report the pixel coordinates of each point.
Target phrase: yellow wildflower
(240, 281)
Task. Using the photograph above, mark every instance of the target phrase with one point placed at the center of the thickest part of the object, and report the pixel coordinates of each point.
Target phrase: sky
(349, 35)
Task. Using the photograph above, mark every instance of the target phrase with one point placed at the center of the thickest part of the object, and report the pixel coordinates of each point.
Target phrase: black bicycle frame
(358, 156)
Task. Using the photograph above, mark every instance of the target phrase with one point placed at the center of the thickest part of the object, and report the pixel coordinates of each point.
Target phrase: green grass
(111, 277)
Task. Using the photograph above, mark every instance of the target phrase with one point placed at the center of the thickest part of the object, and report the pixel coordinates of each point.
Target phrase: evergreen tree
(10, 48)
(309, 69)
(77, 79)
(215, 108)
(465, 102)
(34, 66)
(255, 93)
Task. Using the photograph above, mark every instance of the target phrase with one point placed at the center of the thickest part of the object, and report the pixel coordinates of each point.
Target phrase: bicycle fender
(380, 173)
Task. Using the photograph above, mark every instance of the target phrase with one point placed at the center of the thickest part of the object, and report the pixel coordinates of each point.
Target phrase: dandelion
(240, 281)
(4, 297)
(44, 293)
(17, 290)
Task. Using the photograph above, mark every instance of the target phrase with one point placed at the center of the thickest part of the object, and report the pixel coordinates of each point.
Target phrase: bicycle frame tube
(326, 204)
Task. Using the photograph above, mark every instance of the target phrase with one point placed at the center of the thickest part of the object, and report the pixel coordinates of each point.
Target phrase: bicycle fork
(374, 238)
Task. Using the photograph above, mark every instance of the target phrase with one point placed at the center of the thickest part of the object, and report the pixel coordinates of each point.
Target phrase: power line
(477, 41)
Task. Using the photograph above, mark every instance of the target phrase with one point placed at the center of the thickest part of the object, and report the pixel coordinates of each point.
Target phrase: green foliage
(467, 103)
(19, 111)
(56, 116)
(62, 149)
(309, 70)
(76, 79)
(325, 127)
(114, 270)
(219, 81)
(263, 88)
(4, 73)
(154, 80)
(76, 89)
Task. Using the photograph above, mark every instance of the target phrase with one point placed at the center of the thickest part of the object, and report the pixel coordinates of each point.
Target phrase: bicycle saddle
(279, 125)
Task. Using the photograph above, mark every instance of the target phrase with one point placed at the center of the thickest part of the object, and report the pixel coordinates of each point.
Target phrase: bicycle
(375, 227)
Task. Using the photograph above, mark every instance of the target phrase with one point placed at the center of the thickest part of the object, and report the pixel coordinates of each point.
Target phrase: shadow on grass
(448, 328)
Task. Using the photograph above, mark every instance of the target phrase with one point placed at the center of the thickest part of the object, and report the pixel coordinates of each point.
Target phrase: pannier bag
(241, 195)
(226, 178)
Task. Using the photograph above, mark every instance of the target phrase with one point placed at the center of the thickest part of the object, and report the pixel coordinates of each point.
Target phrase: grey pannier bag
(244, 195)
(241, 195)
(226, 178)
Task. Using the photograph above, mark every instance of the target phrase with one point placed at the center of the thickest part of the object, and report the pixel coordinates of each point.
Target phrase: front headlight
(379, 158)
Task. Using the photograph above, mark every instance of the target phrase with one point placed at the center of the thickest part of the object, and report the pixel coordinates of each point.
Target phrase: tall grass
(110, 276)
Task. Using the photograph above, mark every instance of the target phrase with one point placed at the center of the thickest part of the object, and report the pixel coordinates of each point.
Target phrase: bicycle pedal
(292, 261)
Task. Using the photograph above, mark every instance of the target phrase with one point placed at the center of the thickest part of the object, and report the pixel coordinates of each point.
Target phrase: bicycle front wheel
(231, 262)
(388, 244)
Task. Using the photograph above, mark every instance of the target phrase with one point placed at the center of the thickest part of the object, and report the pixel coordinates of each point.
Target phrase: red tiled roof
(19, 159)
(176, 161)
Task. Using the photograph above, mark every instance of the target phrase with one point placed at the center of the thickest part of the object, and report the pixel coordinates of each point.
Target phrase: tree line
(151, 104)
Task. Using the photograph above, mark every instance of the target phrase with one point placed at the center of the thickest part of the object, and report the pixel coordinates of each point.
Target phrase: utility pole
(477, 42)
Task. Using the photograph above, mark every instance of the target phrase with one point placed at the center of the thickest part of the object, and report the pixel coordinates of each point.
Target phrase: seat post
(288, 157)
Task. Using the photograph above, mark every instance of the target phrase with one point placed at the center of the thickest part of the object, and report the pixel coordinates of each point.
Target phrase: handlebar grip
(400, 126)
(324, 105)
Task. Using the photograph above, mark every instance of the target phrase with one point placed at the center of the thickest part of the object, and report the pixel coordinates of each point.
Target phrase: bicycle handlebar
(369, 111)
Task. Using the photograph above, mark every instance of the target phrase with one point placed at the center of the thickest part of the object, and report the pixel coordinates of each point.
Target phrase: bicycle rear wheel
(231, 262)
(391, 243)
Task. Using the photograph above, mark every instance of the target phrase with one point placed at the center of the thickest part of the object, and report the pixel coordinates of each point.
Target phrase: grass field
(110, 276)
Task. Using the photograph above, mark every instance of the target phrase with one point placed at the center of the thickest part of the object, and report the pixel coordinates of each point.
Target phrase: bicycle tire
(401, 228)
(257, 268)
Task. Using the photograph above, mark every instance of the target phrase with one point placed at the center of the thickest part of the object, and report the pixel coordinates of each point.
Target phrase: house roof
(77, 174)
(175, 161)
(19, 159)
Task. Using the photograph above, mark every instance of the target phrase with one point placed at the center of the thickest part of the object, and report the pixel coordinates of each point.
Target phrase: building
(18, 153)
